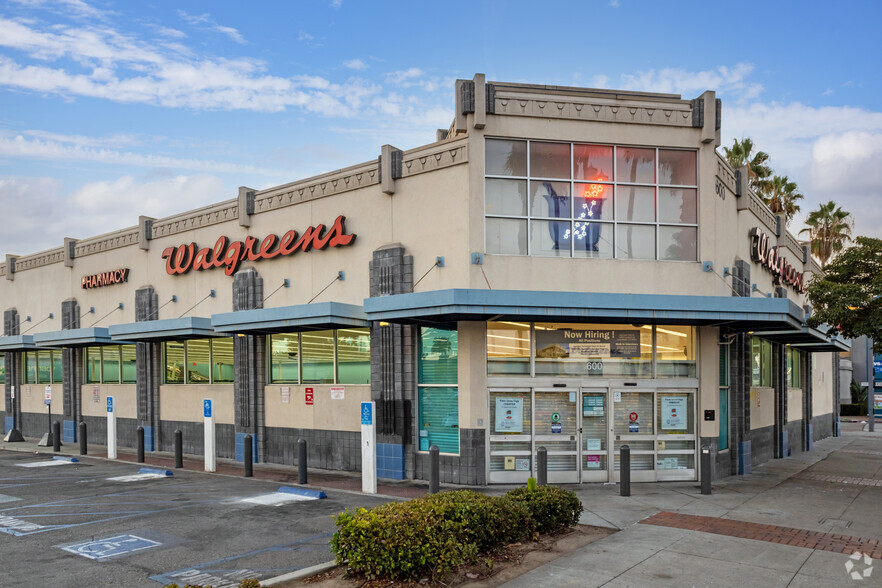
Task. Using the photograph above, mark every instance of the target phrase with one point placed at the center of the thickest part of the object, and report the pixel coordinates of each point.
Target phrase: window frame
(299, 380)
(186, 373)
(101, 368)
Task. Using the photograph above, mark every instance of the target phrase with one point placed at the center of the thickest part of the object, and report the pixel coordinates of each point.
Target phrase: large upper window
(584, 200)
(341, 356)
(111, 364)
(199, 361)
(581, 349)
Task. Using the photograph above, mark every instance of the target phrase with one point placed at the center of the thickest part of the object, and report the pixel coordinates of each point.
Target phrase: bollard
(179, 449)
(542, 466)
(705, 470)
(248, 455)
(434, 469)
(301, 461)
(56, 436)
(140, 434)
(625, 471)
(84, 447)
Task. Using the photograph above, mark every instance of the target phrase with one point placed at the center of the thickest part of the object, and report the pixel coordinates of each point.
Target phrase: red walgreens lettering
(230, 254)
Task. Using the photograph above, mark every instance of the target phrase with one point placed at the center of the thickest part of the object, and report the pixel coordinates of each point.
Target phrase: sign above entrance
(229, 254)
(588, 344)
(769, 257)
(105, 279)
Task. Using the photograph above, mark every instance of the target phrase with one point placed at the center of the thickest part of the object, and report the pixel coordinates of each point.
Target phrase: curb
(302, 492)
(305, 572)
(155, 471)
(64, 458)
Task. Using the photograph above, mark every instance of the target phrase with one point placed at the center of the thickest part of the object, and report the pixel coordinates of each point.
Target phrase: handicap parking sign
(367, 417)
(206, 406)
(110, 547)
(110, 404)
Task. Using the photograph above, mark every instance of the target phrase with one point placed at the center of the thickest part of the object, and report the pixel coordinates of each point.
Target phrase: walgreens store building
(570, 268)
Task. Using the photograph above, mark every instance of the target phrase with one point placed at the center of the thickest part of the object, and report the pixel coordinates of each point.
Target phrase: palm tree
(829, 228)
(782, 195)
(758, 170)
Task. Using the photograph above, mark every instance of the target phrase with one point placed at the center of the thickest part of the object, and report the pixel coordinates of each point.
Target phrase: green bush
(433, 535)
(853, 409)
(551, 508)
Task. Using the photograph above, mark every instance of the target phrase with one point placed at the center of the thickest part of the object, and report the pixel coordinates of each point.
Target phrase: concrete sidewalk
(792, 522)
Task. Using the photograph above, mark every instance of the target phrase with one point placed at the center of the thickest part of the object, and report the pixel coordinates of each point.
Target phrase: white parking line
(137, 477)
(55, 461)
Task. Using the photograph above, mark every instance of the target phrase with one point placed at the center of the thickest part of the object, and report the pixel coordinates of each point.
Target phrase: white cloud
(727, 81)
(356, 64)
(614, 3)
(210, 24)
(402, 76)
(88, 149)
(336, 4)
(44, 214)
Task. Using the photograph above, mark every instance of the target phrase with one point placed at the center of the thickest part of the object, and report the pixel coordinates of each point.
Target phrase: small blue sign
(110, 404)
(112, 546)
(633, 427)
(206, 407)
(556, 428)
(367, 414)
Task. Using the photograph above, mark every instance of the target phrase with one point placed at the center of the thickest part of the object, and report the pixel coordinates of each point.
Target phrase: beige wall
(326, 413)
(472, 374)
(31, 397)
(794, 404)
(125, 400)
(764, 414)
(822, 383)
(183, 402)
(709, 378)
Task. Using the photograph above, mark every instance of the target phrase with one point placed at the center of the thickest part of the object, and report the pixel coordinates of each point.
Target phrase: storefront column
(779, 383)
(807, 405)
(739, 381)
(148, 361)
(11, 327)
(392, 365)
(249, 369)
(71, 366)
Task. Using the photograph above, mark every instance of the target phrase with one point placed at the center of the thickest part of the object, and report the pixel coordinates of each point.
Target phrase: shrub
(427, 536)
(853, 409)
(551, 508)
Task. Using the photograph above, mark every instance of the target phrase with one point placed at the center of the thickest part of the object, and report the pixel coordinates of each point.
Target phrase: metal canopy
(17, 343)
(300, 317)
(473, 304)
(85, 337)
(191, 327)
(806, 339)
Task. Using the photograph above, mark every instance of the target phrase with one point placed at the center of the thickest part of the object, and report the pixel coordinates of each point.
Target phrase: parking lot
(97, 522)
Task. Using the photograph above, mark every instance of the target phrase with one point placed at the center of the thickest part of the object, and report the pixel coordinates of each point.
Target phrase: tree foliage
(781, 196)
(758, 171)
(829, 229)
(848, 296)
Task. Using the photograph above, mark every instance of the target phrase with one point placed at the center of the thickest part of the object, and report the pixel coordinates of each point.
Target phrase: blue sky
(113, 109)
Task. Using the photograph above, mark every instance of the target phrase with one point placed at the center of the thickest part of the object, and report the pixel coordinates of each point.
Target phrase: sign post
(111, 429)
(13, 434)
(210, 457)
(368, 448)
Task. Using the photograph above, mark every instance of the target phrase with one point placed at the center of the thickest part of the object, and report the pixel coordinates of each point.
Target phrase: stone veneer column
(148, 361)
(807, 406)
(12, 359)
(739, 381)
(393, 354)
(837, 394)
(249, 372)
(71, 368)
(779, 383)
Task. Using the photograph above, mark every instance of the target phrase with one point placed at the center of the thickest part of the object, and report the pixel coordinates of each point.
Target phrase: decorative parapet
(344, 180)
(792, 244)
(2, 269)
(36, 260)
(726, 175)
(759, 209)
(615, 108)
(106, 242)
(433, 157)
(194, 219)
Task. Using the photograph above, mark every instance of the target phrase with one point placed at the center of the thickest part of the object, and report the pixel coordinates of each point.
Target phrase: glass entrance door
(511, 441)
(633, 425)
(556, 427)
(595, 436)
(675, 443)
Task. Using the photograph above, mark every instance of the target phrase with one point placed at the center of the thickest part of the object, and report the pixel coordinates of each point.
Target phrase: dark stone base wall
(762, 445)
(194, 438)
(721, 461)
(469, 467)
(36, 424)
(126, 431)
(330, 450)
(822, 426)
(795, 440)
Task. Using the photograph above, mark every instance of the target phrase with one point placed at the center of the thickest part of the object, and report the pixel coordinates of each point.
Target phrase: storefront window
(284, 366)
(30, 371)
(794, 368)
(438, 403)
(222, 360)
(675, 352)
(129, 364)
(508, 349)
(2, 368)
(761, 363)
(578, 208)
(318, 357)
(198, 360)
(44, 367)
(110, 365)
(576, 349)
(354, 356)
(57, 367)
(723, 439)
(174, 362)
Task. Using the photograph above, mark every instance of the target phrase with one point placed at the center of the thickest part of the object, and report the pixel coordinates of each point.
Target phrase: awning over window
(74, 338)
(300, 317)
(190, 327)
(17, 343)
(806, 339)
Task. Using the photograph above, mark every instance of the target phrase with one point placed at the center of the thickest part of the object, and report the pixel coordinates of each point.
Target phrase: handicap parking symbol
(112, 546)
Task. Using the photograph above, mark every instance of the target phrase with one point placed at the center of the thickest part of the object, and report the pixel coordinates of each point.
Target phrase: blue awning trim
(475, 304)
(320, 315)
(190, 327)
(74, 338)
(17, 343)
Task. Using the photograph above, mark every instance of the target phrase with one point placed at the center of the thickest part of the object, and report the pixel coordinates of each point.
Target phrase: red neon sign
(230, 254)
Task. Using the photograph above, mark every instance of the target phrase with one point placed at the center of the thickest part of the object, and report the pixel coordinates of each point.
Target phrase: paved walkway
(792, 522)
